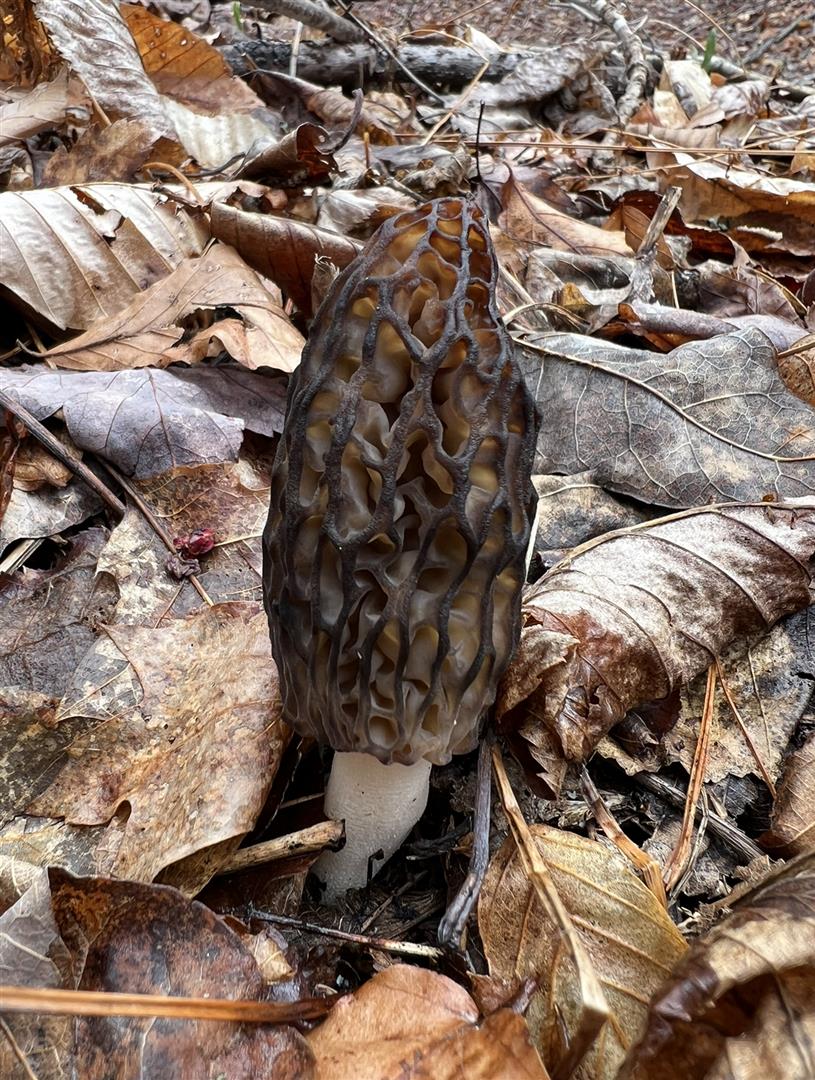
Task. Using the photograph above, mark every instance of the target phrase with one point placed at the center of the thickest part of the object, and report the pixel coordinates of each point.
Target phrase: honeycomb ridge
(401, 502)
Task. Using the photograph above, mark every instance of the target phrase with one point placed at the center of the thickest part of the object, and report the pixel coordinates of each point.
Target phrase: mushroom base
(380, 804)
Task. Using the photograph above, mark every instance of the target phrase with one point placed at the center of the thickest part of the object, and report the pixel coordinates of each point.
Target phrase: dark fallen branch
(330, 64)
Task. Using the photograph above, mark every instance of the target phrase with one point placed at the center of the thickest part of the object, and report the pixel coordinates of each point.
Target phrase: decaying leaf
(153, 329)
(48, 620)
(146, 422)
(195, 760)
(231, 500)
(792, 830)
(640, 612)
(710, 421)
(739, 1006)
(110, 153)
(99, 934)
(628, 937)
(410, 1023)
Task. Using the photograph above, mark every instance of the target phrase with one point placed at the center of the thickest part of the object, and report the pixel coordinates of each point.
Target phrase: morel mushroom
(400, 517)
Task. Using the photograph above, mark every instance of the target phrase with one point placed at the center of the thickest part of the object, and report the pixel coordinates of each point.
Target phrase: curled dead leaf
(637, 613)
(741, 1004)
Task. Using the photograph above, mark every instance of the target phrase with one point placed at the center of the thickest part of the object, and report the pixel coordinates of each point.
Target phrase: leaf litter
(171, 217)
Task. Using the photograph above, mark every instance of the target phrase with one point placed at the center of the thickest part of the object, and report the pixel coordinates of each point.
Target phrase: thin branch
(55, 447)
(302, 842)
(310, 14)
(403, 948)
(97, 1003)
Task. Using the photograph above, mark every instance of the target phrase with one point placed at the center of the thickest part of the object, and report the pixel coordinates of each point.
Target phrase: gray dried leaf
(709, 421)
(148, 421)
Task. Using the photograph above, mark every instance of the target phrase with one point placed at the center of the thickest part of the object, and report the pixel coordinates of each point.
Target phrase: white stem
(380, 804)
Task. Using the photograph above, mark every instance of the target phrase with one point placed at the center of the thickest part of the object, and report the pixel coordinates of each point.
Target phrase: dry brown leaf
(639, 612)
(75, 254)
(26, 58)
(153, 329)
(114, 75)
(296, 158)
(710, 421)
(740, 1005)
(628, 936)
(283, 250)
(712, 190)
(530, 220)
(333, 107)
(113, 153)
(792, 830)
(194, 762)
(410, 1024)
(184, 66)
(122, 937)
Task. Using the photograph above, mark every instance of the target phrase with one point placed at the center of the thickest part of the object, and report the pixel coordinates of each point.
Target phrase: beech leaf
(741, 1004)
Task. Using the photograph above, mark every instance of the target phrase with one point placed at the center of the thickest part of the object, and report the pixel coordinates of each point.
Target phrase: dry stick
(16, 1050)
(644, 863)
(638, 70)
(594, 1009)
(98, 1003)
(302, 842)
(54, 446)
(657, 224)
(451, 927)
(155, 524)
(403, 948)
(751, 746)
(313, 15)
(389, 52)
(675, 865)
(725, 830)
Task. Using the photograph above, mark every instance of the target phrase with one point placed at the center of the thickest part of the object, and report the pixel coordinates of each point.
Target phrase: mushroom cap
(401, 501)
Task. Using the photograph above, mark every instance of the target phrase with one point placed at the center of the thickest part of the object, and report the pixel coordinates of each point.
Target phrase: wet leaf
(629, 938)
(739, 1006)
(638, 613)
(184, 66)
(36, 110)
(153, 329)
(408, 1024)
(146, 422)
(711, 420)
(114, 75)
